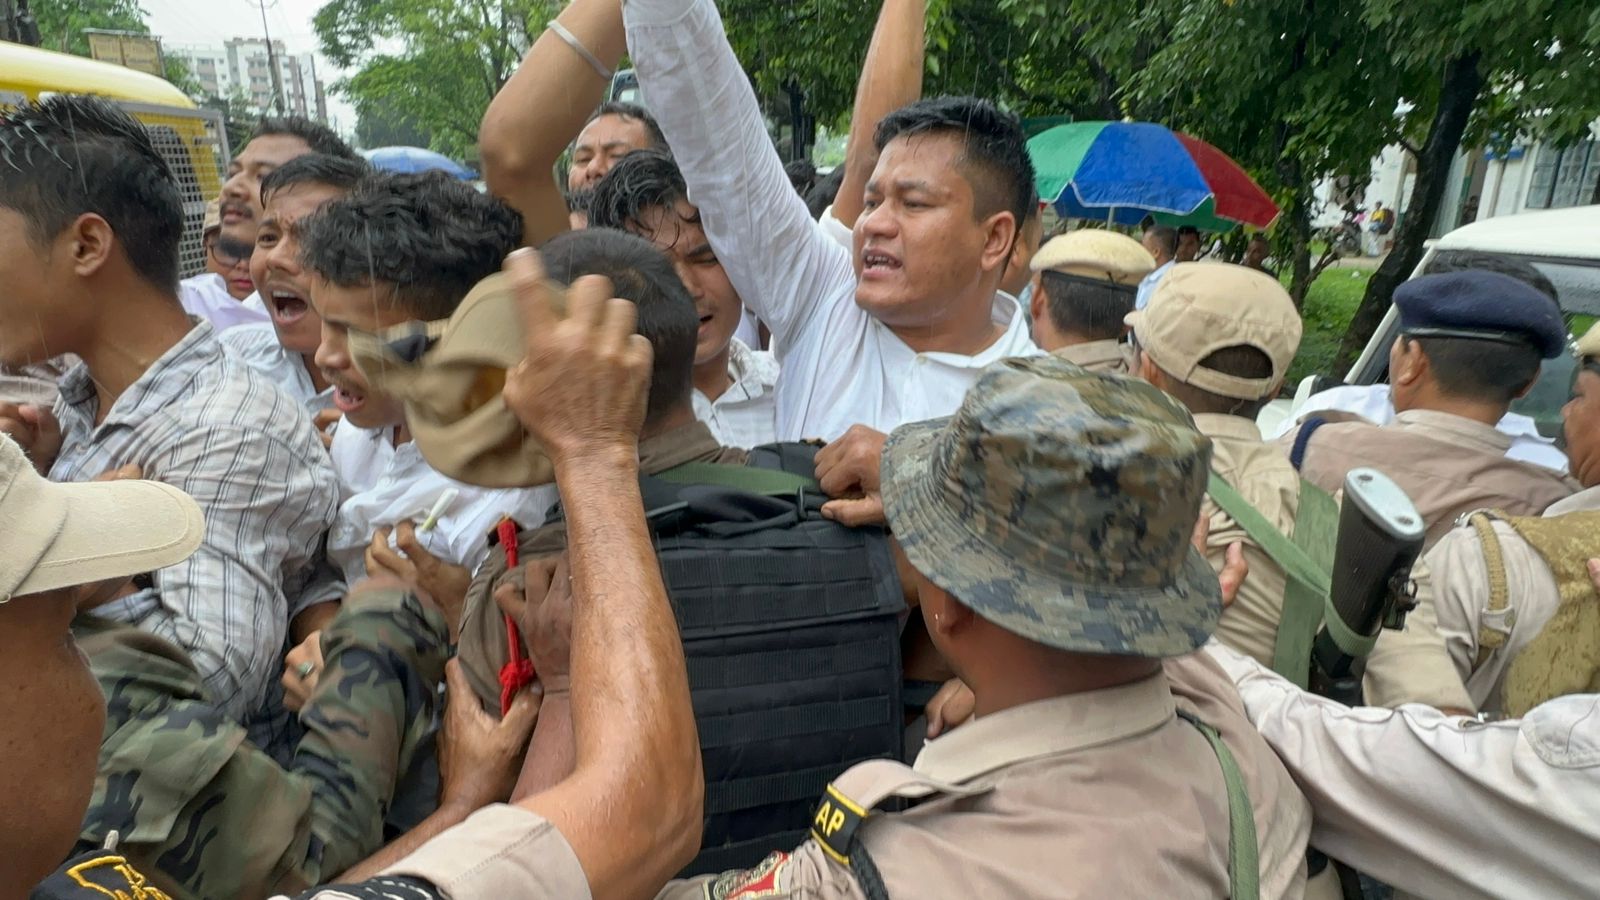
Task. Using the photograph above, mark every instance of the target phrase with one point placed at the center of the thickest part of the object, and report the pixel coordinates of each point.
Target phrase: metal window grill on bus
(195, 146)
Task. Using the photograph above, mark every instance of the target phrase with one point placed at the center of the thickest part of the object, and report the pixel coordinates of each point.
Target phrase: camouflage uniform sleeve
(237, 824)
(375, 701)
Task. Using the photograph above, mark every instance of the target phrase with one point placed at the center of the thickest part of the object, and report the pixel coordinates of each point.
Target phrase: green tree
(435, 65)
(1476, 71)
(62, 22)
(238, 116)
(1012, 51)
(379, 124)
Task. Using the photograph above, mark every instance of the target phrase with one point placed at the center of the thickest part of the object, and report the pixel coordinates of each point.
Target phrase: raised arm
(785, 268)
(891, 77)
(542, 108)
(631, 808)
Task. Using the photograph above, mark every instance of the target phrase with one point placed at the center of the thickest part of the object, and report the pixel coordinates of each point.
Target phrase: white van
(1564, 244)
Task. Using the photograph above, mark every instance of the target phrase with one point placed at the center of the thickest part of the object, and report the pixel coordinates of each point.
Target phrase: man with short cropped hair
(1161, 242)
(896, 329)
(90, 219)
(1219, 338)
(1470, 343)
(1084, 286)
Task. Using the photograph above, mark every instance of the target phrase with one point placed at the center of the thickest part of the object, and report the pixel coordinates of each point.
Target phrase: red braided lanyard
(518, 671)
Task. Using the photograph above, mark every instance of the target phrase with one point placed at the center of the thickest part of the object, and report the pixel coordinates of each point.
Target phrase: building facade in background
(242, 65)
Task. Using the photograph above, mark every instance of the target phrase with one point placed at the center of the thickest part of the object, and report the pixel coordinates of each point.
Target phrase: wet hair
(427, 236)
(996, 161)
(1166, 238)
(1240, 361)
(822, 194)
(316, 168)
(642, 181)
(1483, 370)
(70, 155)
(802, 175)
(1501, 263)
(642, 273)
(1090, 308)
(320, 138)
(635, 112)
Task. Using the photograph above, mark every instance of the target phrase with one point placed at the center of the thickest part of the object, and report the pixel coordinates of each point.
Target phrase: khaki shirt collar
(1092, 353)
(1236, 428)
(1048, 728)
(688, 443)
(1454, 429)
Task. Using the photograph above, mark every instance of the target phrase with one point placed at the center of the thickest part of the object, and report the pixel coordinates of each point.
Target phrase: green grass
(1329, 306)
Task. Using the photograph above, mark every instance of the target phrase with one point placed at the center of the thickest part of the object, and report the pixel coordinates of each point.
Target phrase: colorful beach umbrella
(1122, 171)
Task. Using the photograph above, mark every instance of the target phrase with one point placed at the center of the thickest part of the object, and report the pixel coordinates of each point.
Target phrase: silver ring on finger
(305, 669)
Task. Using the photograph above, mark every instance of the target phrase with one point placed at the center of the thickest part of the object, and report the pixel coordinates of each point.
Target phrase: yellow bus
(191, 138)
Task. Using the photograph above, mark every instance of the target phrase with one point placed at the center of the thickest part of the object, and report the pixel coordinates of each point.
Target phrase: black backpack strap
(868, 878)
(1302, 440)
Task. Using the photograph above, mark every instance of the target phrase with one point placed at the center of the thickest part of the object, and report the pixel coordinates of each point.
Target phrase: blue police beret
(1481, 304)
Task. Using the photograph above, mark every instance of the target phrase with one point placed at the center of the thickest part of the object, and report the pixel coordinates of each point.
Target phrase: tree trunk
(1457, 96)
(1299, 222)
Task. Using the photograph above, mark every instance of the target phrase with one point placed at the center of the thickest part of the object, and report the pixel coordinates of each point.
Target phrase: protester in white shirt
(891, 78)
(1435, 805)
(1162, 242)
(206, 296)
(392, 499)
(734, 385)
(285, 349)
(1374, 403)
(438, 237)
(942, 216)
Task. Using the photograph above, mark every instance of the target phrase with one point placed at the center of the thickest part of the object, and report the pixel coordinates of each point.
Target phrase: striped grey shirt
(210, 425)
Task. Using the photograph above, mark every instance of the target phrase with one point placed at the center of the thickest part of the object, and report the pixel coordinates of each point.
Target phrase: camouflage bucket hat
(1058, 504)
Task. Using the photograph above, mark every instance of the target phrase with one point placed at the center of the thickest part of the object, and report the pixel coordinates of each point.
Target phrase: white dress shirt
(206, 295)
(746, 413)
(1375, 403)
(381, 484)
(840, 365)
(257, 345)
(1147, 285)
(213, 427)
(1440, 806)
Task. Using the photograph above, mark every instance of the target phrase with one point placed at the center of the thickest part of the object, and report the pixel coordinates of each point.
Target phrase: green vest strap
(1308, 562)
(1244, 866)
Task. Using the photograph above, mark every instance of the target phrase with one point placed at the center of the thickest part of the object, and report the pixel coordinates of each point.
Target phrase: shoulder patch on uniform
(110, 875)
(835, 824)
(765, 880)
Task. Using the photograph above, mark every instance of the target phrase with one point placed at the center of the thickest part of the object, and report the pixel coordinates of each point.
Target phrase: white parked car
(1564, 244)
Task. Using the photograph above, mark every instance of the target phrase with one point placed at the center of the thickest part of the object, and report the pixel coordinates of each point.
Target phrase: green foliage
(1010, 51)
(1330, 302)
(238, 116)
(62, 22)
(434, 64)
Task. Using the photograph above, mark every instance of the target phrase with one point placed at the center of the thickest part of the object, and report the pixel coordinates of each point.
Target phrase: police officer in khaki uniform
(1056, 584)
(1084, 284)
(1470, 343)
(1504, 585)
(1220, 338)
